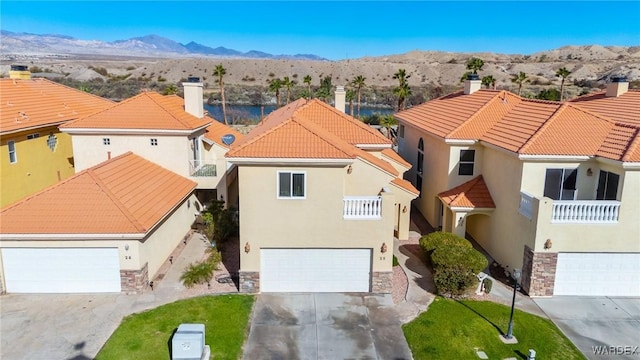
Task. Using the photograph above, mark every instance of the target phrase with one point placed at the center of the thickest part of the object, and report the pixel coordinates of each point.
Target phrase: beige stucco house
(321, 197)
(107, 228)
(552, 188)
(166, 130)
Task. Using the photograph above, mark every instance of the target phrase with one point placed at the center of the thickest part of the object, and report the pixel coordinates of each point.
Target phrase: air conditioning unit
(188, 343)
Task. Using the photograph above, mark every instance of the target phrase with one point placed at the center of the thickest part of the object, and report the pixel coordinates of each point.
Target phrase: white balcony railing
(362, 207)
(588, 211)
(202, 168)
(526, 204)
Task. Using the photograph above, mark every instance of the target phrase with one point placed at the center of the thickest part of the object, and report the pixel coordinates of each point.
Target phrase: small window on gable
(401, 131)
(154, 142)
(52, 141)
(13, 156)
(420, 164)
(467, 159)
(106, 141)
(607, 186)
(33, 136)
(291, 184)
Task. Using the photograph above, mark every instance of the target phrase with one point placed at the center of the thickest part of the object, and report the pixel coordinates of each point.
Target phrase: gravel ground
(400, 285)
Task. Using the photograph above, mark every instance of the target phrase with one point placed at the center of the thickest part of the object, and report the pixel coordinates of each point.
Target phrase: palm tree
(220, 72)
(520, 79)
(475, 64)
(288, 84)
(488, 81)
(402, 91)
(358, 83)
(307, 80)
(563, 73)
(388, 121)
(275, 85)
(350, 95)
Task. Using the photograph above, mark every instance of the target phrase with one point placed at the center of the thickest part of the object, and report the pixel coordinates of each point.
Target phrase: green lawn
(454, 329)
(148, 335)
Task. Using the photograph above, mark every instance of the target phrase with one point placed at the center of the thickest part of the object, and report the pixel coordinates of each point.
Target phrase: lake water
(253, 112)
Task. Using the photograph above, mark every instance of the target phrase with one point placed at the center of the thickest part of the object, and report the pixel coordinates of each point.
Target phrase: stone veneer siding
(539, 272)
(249, 282)
(134, 281)
(382, 282)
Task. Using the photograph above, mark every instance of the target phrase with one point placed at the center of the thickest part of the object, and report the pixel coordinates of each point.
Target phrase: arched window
(420, 165)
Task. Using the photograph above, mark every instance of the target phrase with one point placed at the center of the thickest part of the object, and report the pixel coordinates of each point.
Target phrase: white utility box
(188, 342)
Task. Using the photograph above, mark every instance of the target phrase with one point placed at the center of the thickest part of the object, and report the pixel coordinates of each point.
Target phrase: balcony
(362, 207)
(202, 168)
(585, 211)
(526, 204)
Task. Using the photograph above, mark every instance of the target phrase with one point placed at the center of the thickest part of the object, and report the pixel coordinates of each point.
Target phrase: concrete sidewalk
(76, 326)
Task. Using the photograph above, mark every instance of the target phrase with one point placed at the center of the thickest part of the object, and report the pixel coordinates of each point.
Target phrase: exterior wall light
(383, 248)
(548, 244)
(126, 247)
(349, 169)
(589, 172)
(404, 209)
(247, 247)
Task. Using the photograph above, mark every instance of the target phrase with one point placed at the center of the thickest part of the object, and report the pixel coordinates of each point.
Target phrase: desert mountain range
(591, 63)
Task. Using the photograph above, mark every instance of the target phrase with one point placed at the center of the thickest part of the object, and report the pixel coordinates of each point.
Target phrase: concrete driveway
(325, 326)
(597, 322)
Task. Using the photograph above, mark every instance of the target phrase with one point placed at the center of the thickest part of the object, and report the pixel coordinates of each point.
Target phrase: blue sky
(337, 29)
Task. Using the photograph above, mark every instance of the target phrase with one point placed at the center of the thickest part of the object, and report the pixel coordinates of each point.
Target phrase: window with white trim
(154, 142)
(52, 141)
(33, 136)
(13, 156)
(291, 184)
(106, 141)
(467, 159)
(560, 184)
(607, 186)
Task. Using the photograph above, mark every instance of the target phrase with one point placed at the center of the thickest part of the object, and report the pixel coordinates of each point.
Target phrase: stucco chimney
(472, 84)
(618, 86)
(193, 98)
(19, 72)
(341, 97)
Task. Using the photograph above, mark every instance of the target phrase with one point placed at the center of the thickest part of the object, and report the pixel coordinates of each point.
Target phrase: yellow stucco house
(551, 188)
(108, 228)
(34, 153)
(321, 197)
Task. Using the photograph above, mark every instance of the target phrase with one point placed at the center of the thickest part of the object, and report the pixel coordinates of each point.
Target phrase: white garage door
(599, 274)
(315, 270)
(61, 270)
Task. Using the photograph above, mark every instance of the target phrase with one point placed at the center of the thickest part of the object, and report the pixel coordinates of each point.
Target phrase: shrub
(455, 254)
(487, 283)
(395, 261)
(437, 239)
(201, 272)
(453, 281)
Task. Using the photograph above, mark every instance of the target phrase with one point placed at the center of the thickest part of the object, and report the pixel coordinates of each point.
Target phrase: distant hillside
(143, 46)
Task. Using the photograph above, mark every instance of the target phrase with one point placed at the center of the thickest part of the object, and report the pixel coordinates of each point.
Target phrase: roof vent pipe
(618, 86)
(341, 98)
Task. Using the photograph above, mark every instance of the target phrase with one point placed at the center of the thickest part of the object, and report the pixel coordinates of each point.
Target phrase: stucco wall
(37, 166)
(316, 221)
(172, 152)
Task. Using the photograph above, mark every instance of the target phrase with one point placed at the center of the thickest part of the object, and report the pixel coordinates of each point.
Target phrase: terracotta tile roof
(589, 127)
(124, 195)
(147, 110)
(291, 133)
(623, 109)
(217, 130)
(472, 194)
(34, 103)
(390, 154)
(404, 184)
(443, 115)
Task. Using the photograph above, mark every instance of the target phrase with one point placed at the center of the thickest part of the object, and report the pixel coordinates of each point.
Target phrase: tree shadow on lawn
(482, 316)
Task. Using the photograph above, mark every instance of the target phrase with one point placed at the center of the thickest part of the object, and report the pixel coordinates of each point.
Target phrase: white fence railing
(587, 211)
(526, 204)
(362, 207)
(202, 168)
